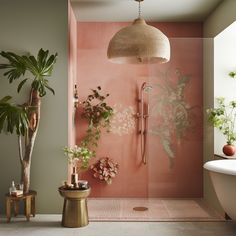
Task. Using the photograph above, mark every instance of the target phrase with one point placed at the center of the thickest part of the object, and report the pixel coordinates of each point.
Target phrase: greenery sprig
(79, 155)
(223, 117)
(98, 115)
(232, 74)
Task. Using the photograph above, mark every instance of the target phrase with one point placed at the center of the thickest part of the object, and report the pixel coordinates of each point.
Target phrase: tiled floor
(49, 225)
(102, 210)
(108, 209)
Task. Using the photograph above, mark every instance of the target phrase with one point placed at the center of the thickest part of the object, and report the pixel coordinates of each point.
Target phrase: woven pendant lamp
(139, 43)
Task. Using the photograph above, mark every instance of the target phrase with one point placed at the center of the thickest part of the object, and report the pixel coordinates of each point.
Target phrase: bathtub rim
(225, 166)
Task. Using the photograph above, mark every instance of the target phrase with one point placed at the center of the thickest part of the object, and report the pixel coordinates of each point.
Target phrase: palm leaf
(50, 89)
(40, 68)
(16, 67)
(5, 99)
(48, 67)
(21, 85)
(42, 57)
(30, 66)
(13, 118)
(3, 116)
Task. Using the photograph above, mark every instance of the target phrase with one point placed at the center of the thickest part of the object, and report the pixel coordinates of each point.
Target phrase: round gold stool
(75, 210)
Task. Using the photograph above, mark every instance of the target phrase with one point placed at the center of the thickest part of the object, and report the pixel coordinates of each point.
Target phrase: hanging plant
(98, 115)
(105, 170)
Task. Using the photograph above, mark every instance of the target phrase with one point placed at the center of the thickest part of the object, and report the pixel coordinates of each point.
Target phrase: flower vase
(74, 178)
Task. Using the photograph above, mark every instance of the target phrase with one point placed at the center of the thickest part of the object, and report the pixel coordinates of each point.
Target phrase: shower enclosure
(156, 132)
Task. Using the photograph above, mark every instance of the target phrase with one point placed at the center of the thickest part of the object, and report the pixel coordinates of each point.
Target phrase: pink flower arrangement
(105, 169)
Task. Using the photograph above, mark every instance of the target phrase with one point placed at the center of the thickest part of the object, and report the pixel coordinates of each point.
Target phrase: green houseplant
(98, 115)
(24, 119)
(79, 156)
(223, 117)
(232, 74)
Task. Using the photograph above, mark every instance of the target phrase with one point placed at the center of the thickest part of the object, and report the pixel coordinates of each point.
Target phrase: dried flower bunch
(105, 169)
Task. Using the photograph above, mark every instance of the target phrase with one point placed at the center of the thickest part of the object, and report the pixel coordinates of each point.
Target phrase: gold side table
(75, 210)
(29, 201)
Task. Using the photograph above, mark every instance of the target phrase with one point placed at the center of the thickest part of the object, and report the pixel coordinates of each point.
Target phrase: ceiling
(152, 10)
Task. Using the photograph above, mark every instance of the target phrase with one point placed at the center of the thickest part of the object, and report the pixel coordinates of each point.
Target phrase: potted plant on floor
(223, 117)
(23, 119)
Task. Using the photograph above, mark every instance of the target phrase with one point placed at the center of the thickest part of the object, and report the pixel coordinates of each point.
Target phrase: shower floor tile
(122, 209)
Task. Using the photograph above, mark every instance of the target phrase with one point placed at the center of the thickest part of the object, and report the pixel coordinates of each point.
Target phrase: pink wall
(156, 179)
(185, 178)
(72, 74)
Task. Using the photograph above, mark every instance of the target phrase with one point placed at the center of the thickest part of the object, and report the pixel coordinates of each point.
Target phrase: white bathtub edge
(227, 167)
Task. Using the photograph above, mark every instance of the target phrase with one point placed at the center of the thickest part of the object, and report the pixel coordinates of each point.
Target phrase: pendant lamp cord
(139, 9)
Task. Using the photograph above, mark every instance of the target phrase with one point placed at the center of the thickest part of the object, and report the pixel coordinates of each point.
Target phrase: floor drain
(140, 208)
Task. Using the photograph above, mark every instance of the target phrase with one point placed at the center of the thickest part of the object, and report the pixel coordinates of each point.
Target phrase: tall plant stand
(75, 210)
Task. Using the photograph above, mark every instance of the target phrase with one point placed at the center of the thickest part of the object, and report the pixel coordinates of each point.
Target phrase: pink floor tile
(122, 209)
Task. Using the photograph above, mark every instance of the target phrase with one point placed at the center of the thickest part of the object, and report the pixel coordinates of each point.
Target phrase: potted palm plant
(23, 119)
(223, 117)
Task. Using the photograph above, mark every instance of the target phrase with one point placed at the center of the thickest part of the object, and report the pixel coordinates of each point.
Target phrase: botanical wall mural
(123, 120)
(171, 115)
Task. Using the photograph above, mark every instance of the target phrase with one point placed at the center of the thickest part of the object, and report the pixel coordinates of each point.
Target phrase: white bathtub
(223, 176)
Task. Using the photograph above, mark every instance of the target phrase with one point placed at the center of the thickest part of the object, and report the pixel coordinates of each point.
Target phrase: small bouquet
(105, 169)
(79, 155)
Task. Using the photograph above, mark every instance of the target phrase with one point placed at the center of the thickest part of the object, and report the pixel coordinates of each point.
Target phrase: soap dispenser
(12, 189)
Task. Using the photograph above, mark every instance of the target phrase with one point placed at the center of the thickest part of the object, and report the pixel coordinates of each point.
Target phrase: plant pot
(229, 150)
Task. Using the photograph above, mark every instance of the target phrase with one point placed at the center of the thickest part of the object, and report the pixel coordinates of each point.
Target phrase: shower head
(146, 87)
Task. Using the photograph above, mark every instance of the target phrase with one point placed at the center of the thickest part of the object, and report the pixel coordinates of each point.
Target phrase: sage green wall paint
(221, 18)
(26, 26)
(224, 62)
(208, 138)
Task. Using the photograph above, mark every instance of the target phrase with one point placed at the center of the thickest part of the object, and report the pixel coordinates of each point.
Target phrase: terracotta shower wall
(123, 83)
(72, 72)
(72, 75)
(183, 115)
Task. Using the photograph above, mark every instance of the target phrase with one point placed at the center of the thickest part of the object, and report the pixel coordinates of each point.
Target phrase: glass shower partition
(170, 135)
(175, 128)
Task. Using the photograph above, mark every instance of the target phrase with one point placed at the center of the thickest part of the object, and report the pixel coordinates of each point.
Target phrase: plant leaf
(49, 88)
(13, 118)
(21, 85)
(5, 99)
(16, 67)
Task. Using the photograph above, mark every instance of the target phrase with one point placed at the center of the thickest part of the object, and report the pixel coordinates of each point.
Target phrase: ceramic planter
(229, 150)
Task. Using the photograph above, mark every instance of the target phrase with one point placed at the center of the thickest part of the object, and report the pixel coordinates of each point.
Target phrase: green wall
(26, 26)
(221, 18)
